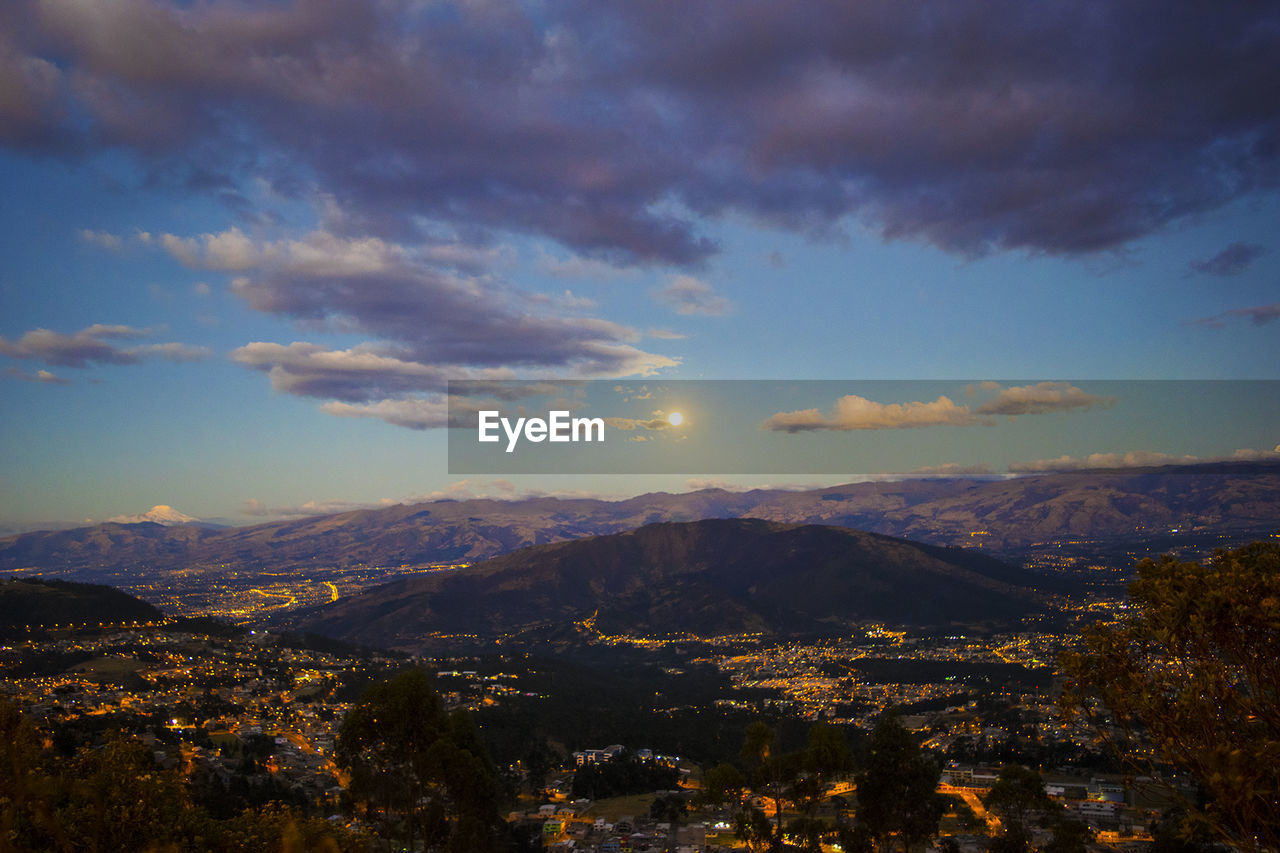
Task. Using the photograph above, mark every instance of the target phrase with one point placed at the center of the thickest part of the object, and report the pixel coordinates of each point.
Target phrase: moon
(675, 418)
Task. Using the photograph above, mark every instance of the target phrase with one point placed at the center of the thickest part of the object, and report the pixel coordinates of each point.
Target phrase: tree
(419, 773)
(722, 784)
(771, 770)
(1017, 796)
(898, 788)
(1070, 836)
(753, 829)
(1195, 667)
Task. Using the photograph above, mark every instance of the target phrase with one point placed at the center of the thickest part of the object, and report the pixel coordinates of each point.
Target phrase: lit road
(971, 799)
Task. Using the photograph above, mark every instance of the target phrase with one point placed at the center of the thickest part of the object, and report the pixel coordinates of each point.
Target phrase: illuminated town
(257, 710)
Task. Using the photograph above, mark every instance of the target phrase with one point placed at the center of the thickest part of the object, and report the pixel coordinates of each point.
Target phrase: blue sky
(244, 246)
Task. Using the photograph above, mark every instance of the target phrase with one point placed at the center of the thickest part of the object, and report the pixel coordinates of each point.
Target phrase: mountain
(712, 577)
(160, 514)
(1000, 516)
(36, 602)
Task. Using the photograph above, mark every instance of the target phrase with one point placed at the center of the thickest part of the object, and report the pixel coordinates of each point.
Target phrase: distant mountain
(37, 602)
(1000, 516)
(704, 577)
(160, 514)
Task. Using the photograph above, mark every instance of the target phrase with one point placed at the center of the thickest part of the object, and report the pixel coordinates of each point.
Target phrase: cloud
(965, 125)
(1257, 315)
(657, 422)
(395, 293)
(665, 335)
(424, 323)
(1134, 459)
(102, 240)
(44, 376)
(359, 374)
(953, 469)
(578, 267)
(688, 295)
(572, 302)
(1233, 260)
(413, 413)
(858, 413)
(258, 509)
(93, 345)
(1041, 398)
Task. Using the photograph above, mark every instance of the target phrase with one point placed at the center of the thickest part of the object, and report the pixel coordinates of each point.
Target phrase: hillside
(705, 578)
(1011, 514)
(36, 602)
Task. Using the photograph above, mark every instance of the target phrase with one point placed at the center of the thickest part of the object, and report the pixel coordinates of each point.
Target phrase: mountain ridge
(708, 577)
(997, 515)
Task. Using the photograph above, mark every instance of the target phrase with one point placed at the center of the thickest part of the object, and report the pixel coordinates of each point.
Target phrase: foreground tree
(1017, 797)
(898, 789)
(419, 774)
(1195, 666)
(771, 771)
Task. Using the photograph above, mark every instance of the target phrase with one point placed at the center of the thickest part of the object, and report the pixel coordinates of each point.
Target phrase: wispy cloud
(688, 295)
(95, 345)
(1039, 399)
(1233, 260)
(853, 412)
(1257, 315)
(858, 413)
(953, 469)
(257, 509)
(44, 376)
(1134, 459)
(102, 240)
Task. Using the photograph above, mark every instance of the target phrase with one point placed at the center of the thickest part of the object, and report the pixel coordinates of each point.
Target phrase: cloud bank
(968, 125)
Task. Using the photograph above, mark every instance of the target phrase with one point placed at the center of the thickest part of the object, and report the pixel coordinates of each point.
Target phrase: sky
(245, 246)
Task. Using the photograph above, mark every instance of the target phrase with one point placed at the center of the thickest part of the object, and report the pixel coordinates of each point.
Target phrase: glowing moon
(675, 418)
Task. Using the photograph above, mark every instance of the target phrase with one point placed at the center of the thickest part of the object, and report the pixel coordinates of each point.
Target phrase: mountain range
(999, 516)
(707, 578)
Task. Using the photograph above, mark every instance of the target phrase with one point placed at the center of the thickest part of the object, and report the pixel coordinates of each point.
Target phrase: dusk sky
(244, 246)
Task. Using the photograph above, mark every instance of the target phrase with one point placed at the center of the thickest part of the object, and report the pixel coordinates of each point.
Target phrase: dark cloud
(616, 128)
(1258, 315)
(1232, 260)
(427, 324)
(428, 321)
(94, 345)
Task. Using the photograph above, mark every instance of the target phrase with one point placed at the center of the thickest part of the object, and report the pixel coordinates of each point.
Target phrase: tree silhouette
(897, 788)
(1017, 797)
(420, 774)
(770, 772)
(1195, 667)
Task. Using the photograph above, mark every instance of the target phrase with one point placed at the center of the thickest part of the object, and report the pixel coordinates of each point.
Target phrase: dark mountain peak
(708, 577)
